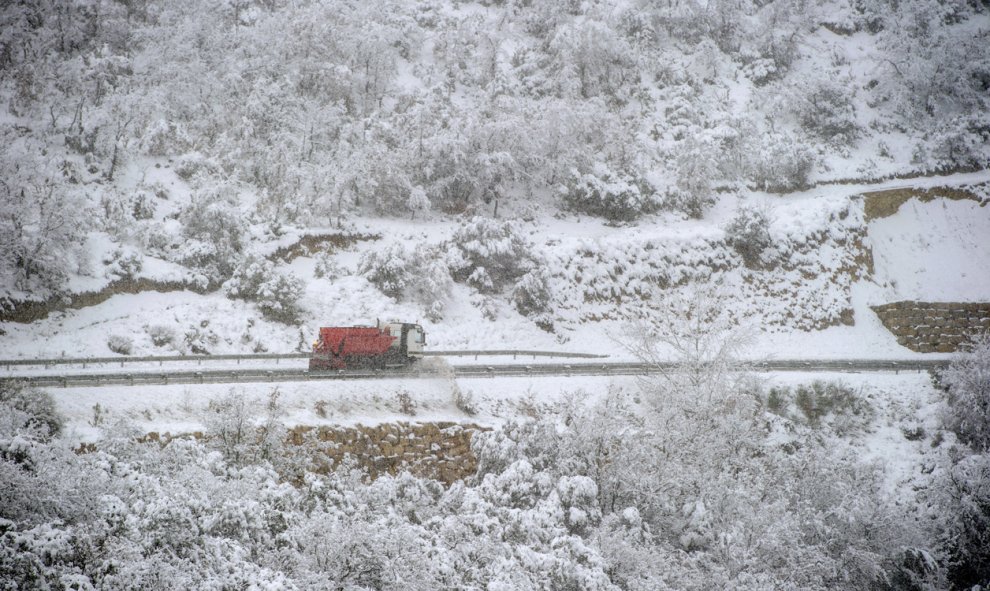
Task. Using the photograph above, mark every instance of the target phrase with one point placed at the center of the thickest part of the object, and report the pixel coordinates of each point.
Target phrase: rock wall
(929, 327)
(441, 451)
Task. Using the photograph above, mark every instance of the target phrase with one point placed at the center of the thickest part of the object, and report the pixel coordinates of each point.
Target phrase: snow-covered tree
(967, 384)
(489, 254)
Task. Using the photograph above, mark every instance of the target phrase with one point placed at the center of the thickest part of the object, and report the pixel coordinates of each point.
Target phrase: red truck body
(395, 344)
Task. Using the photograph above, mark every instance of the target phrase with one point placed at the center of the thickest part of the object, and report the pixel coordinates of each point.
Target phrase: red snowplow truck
(395, 344)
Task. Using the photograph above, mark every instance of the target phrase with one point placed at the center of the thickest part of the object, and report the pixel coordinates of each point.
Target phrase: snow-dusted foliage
(531, 295)
(805, 274)
(749, 235)
(276, 293)
(961, 503)
(967, 384)
(213, 230)
(30, 408)
(707, 489)
(43, 221)
(429, 106)
(489, 254)
(608, 194)
(388, 269)
(120, 344)
(420, 276)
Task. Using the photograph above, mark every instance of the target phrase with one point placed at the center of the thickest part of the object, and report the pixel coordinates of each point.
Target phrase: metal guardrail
(504, 370)
(199, 359)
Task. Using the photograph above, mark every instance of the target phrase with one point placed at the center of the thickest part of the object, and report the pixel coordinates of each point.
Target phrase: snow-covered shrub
(388, 269)
(121, 344)
(967, 385)
(187, 165)
(161, 334)
(213, 226)
(143, 205)
(782, 164)
(464, 400)
(198, 340)
(231, 427)
(42, 226)
(960, 143)
(531, 295)
(276, 294)
(697, 167)
(749, 235)
(489, 254)
(961, 497)
(431, 283)
(407, 405)
(821, 403)
(123, 263)
(37, 408)
(420, 276)
(824, 108)
(326, 266)
(608, 194)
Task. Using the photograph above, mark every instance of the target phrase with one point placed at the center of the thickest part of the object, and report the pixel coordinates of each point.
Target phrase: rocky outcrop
(934, 327)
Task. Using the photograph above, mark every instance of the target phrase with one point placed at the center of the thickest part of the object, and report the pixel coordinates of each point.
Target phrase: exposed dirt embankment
(314, 243)
(29, 311)
(928, 327)
(881, 204)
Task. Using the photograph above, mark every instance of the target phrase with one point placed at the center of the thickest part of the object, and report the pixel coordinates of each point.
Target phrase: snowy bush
(782, 164)
(123, 263)
(967, 385)
(820, 403)
(961, 499)
(489, 254)
(213, 228)
(42, 227)
(121, 344)
(188, 165)
(276, 294)
(464, 400)
(697, 167)
(749, 235)
(531, 295)
(611, 195)
(824, 108)
(420, 276)
(388, 269)
(327, 266)
(161, 334)
(960, 143)
(36, 408)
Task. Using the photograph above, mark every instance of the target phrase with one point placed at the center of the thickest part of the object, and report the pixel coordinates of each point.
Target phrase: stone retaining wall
(929, 327)
(441, 451)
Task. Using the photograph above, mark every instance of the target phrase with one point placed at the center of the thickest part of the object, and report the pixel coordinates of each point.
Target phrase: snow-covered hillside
(682, 180)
